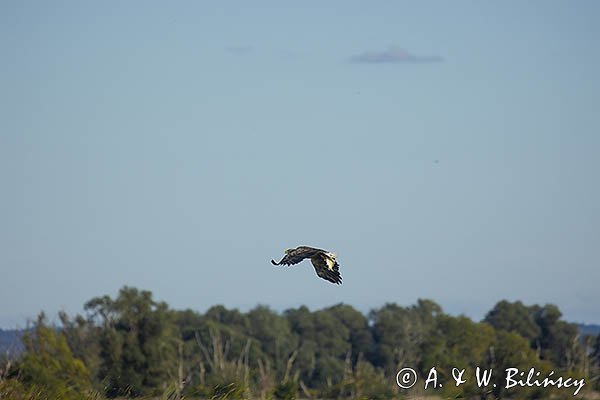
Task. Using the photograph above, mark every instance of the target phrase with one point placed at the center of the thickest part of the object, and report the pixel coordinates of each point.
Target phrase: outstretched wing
(296, 255)
(327, 268)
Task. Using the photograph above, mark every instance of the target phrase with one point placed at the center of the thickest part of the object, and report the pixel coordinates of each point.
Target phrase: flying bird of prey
(324, 262)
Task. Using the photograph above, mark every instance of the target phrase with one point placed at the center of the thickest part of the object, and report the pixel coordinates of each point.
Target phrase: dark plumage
(324, 262)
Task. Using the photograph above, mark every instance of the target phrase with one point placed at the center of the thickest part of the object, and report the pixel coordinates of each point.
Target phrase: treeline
(135, 346)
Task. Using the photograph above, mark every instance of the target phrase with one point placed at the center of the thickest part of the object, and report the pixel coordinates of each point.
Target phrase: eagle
(324, 262)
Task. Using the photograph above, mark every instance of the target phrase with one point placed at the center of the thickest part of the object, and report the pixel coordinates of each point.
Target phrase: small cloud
(239, 49)
(393, 55)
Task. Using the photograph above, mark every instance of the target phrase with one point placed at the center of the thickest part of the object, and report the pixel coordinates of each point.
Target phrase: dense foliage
(134, 346)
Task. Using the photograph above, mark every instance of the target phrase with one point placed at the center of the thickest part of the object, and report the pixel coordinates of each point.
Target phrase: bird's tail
(273, 262)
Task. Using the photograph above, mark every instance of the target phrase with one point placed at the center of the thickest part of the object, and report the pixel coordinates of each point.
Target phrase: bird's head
(288, 251)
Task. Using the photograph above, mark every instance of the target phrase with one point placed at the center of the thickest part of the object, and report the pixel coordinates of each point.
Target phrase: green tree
(559, 340)
(361, 337)
(399, 333)
(511, 350)
(273, 336)
(514, 317)
(83, 339)
(324, 342)
(554, 340)
(458, 342)
(49, 365)
(136, 347)
(595, 363)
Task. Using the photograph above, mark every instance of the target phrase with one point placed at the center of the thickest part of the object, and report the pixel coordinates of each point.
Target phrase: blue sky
(443, 150)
